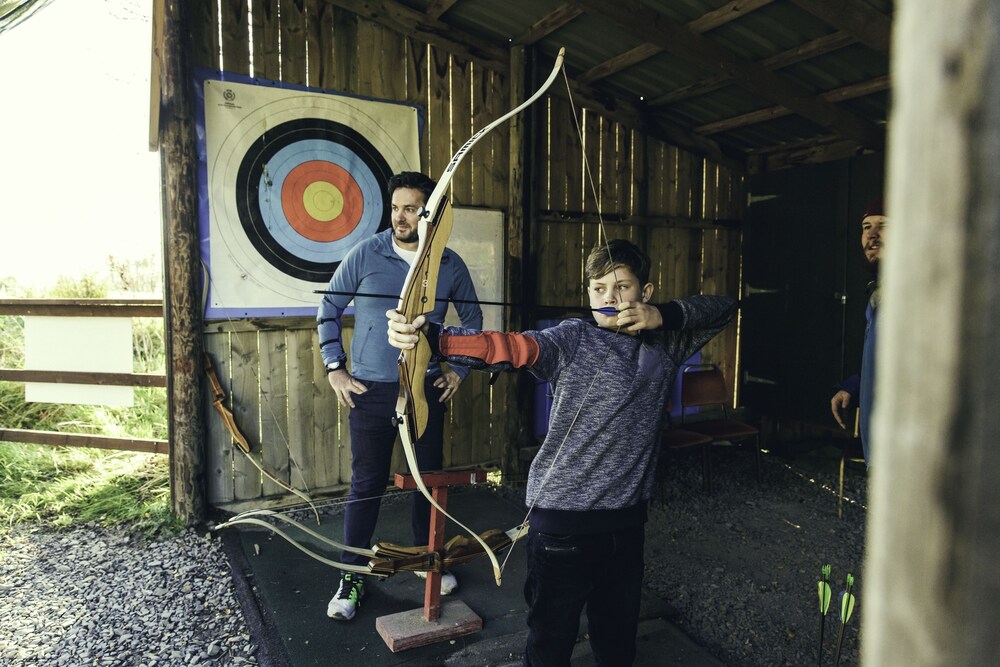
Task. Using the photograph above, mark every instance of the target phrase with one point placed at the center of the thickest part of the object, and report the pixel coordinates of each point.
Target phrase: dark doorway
(804, 282)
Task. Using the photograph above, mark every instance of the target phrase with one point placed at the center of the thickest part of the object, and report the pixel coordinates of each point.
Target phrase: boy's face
(613, 289)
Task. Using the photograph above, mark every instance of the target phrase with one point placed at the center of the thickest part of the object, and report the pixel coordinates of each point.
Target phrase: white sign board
(87, 344)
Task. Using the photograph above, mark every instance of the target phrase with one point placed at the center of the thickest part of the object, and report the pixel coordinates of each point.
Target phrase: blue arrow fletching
(607, 310)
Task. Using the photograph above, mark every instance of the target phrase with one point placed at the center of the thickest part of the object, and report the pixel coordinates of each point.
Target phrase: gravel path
(95, 596)
(740, 567)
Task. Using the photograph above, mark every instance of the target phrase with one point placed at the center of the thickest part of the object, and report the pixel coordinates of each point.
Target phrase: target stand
(434, 622)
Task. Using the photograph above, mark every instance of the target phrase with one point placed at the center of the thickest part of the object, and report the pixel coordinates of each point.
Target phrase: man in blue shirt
(860, 389)
(378, 266)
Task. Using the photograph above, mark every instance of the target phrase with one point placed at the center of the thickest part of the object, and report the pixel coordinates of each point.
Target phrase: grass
(63, 487)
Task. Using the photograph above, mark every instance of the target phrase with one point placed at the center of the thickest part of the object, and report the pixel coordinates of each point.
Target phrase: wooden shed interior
(735, 141)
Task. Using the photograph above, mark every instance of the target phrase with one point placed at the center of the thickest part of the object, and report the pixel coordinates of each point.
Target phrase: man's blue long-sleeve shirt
(374, 267)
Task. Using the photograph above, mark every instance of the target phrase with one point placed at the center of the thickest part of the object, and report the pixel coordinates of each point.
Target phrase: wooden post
(435, 541)
(182, 315)
(930, 594)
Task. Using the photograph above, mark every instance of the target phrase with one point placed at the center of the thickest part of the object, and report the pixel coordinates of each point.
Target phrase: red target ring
(321, 201)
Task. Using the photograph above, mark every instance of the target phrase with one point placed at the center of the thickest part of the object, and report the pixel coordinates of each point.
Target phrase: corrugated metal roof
(844, 88)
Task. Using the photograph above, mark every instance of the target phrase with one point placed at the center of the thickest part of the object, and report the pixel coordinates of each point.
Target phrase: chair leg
(707, 474)
(840, 486)
(756, 445)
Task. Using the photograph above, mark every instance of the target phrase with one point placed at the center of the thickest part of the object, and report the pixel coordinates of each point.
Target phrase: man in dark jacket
(860, 389)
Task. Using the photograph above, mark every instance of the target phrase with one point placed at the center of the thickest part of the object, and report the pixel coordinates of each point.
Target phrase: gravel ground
(95, 596)
(740, 567)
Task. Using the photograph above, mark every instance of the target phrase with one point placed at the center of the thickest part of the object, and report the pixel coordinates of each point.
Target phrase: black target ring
(261, 230)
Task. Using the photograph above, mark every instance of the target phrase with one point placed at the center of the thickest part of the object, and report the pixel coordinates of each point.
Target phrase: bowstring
(602, 234)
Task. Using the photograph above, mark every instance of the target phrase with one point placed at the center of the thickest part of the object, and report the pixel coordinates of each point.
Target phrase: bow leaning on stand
(418, 297)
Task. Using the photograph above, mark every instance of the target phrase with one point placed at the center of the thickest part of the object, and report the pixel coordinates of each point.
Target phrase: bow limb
(438, 195)
(305, 529)
(360, 569)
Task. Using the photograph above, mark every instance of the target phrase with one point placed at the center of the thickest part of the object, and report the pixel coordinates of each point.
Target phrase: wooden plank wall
(272, 371)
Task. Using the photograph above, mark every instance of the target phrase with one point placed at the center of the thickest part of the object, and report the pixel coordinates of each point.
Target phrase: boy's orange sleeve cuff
(493, 347)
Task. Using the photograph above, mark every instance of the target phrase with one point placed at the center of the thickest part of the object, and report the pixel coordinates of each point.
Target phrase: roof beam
(438, 7)
(657, 29)
(729, 12)
(620, 62)
(547, 25)
(810, 151)
(871, 27)
(812, 49)
(860, 89)
(419, 25)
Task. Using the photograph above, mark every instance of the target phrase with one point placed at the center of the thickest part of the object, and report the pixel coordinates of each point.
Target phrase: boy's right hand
(403, 335)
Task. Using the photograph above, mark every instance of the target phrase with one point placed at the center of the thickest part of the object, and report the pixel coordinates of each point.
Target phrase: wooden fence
(83, 308)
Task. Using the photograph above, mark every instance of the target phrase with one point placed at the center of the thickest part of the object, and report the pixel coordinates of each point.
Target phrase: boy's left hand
(636, 315)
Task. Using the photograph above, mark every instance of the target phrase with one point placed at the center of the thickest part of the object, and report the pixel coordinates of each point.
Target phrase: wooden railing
(83, 308)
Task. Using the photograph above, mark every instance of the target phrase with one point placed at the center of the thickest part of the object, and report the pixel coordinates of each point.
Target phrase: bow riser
(420, 289)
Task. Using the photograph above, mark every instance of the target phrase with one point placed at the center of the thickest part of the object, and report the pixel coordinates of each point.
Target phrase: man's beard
(411, 237)
(873, 267)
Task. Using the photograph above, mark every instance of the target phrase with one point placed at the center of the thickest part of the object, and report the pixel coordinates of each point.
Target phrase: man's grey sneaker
(348, 598)
(449, 584)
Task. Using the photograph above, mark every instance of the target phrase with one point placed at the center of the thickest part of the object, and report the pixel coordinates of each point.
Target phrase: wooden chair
(851, 451)
(677, 439)
(703, 387)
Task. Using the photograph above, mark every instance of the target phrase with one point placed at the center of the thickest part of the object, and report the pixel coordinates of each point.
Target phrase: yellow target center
(323, 201)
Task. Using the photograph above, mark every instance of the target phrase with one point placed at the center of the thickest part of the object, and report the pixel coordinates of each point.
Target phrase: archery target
(295, 179)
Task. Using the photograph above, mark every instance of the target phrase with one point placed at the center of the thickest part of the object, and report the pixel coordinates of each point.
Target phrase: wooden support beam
(619, 63)
(420, 26)
(713, 19)
(860, 89)
(808, 151)
(870, 26)
(657, 29)
(182, 268)
(812, 49)
(547, 25)
(728, 12)
(438, 7)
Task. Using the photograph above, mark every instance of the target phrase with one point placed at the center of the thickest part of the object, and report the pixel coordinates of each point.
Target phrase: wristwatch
(333, 366)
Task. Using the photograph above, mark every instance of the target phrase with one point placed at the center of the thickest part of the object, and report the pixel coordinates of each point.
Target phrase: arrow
(824, 606)
(847, 601)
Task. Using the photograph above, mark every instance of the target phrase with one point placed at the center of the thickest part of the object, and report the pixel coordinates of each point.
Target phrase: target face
(295, 179)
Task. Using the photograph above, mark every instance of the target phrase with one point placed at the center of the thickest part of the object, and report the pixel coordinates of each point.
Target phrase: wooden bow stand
(434, 622)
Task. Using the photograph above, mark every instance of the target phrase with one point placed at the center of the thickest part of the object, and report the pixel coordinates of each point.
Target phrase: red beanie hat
(874, 208)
